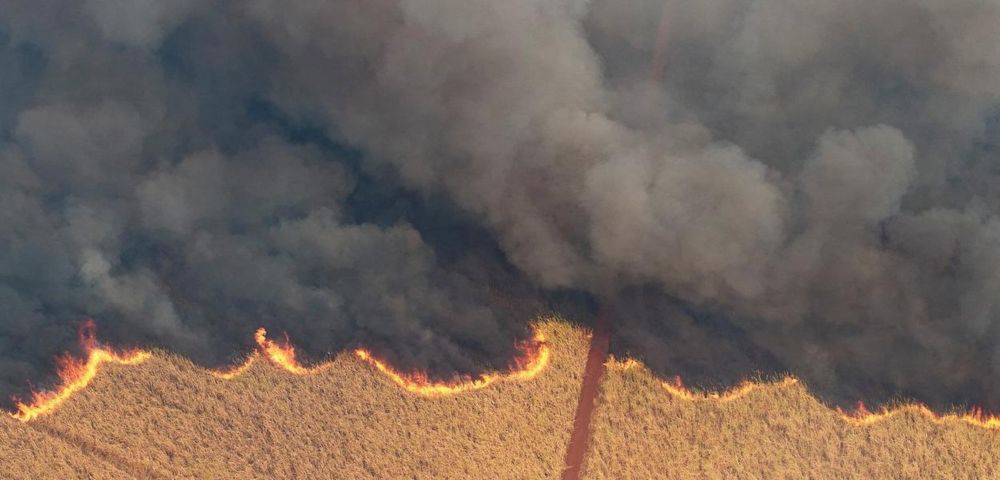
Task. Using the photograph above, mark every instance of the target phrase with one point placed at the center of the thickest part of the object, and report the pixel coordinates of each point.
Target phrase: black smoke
(808, 188)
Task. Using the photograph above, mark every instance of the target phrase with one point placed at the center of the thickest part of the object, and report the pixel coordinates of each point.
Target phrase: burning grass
(347, 420)
(647, 428)
(30, 453)
(76, 374)
(352, 418)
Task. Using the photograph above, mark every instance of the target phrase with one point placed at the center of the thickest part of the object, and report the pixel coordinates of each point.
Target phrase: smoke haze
(805, 187)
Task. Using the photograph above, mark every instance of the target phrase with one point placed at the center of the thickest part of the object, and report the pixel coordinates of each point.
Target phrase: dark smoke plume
(805, 187)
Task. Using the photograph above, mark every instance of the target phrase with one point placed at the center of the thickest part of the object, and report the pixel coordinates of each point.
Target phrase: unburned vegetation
(168, 418)
(776, 431)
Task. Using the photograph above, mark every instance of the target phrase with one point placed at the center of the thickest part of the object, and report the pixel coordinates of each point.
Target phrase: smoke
(803, 187)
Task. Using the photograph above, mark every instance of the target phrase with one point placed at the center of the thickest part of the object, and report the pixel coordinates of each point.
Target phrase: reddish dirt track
(659, 63)
(599, 344)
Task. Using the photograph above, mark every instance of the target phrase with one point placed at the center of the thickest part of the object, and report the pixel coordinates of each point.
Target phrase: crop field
(167, 418)
(773, 431)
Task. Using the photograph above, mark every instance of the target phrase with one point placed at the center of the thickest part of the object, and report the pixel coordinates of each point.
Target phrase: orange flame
(283, 355)
(860, 417)
(535, 357)
(280, 354)
(975, 417)
(677, 389)
(237, 370)
(75, 374)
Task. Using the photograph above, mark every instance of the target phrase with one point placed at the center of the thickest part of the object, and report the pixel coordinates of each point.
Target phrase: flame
(235, 371)
(677, 389)
(280, 354)
(861, 416)
(975, 416)
(75, 374)
(535, 356)
(283, 355)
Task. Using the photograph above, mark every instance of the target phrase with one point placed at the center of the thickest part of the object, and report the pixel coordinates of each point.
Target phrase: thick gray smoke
(805, 186)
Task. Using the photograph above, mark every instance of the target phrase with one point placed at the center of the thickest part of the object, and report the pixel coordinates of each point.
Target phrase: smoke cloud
(803, 187)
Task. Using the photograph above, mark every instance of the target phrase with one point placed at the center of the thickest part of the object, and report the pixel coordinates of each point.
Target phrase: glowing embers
(75, 374)
(534, 357)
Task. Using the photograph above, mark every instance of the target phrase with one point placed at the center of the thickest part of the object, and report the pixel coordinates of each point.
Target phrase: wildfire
(283, 355)
(535, 356)
(75, 374)
(861, 416)
(280, 354)
(677, 389)
(235, 371)
(976, 416)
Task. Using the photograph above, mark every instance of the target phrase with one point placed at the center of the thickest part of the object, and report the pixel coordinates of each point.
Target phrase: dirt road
(592, 374)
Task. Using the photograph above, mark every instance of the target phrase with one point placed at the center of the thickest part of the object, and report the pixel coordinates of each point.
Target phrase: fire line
(861, 416)
(535, 357)
(75, 374)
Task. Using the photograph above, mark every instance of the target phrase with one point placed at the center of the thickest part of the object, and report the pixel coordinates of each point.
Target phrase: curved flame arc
(535, 357)
(282, 354)
(279, 354)
(76, 374)
(236, 370)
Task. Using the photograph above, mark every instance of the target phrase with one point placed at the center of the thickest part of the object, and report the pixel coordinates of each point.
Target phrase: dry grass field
(27, 452)
(772, 432)
(167, 418)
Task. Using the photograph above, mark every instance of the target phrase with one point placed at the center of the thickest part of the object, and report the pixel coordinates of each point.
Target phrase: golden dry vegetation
(773, 432)
(37, 453)
(167, 418)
